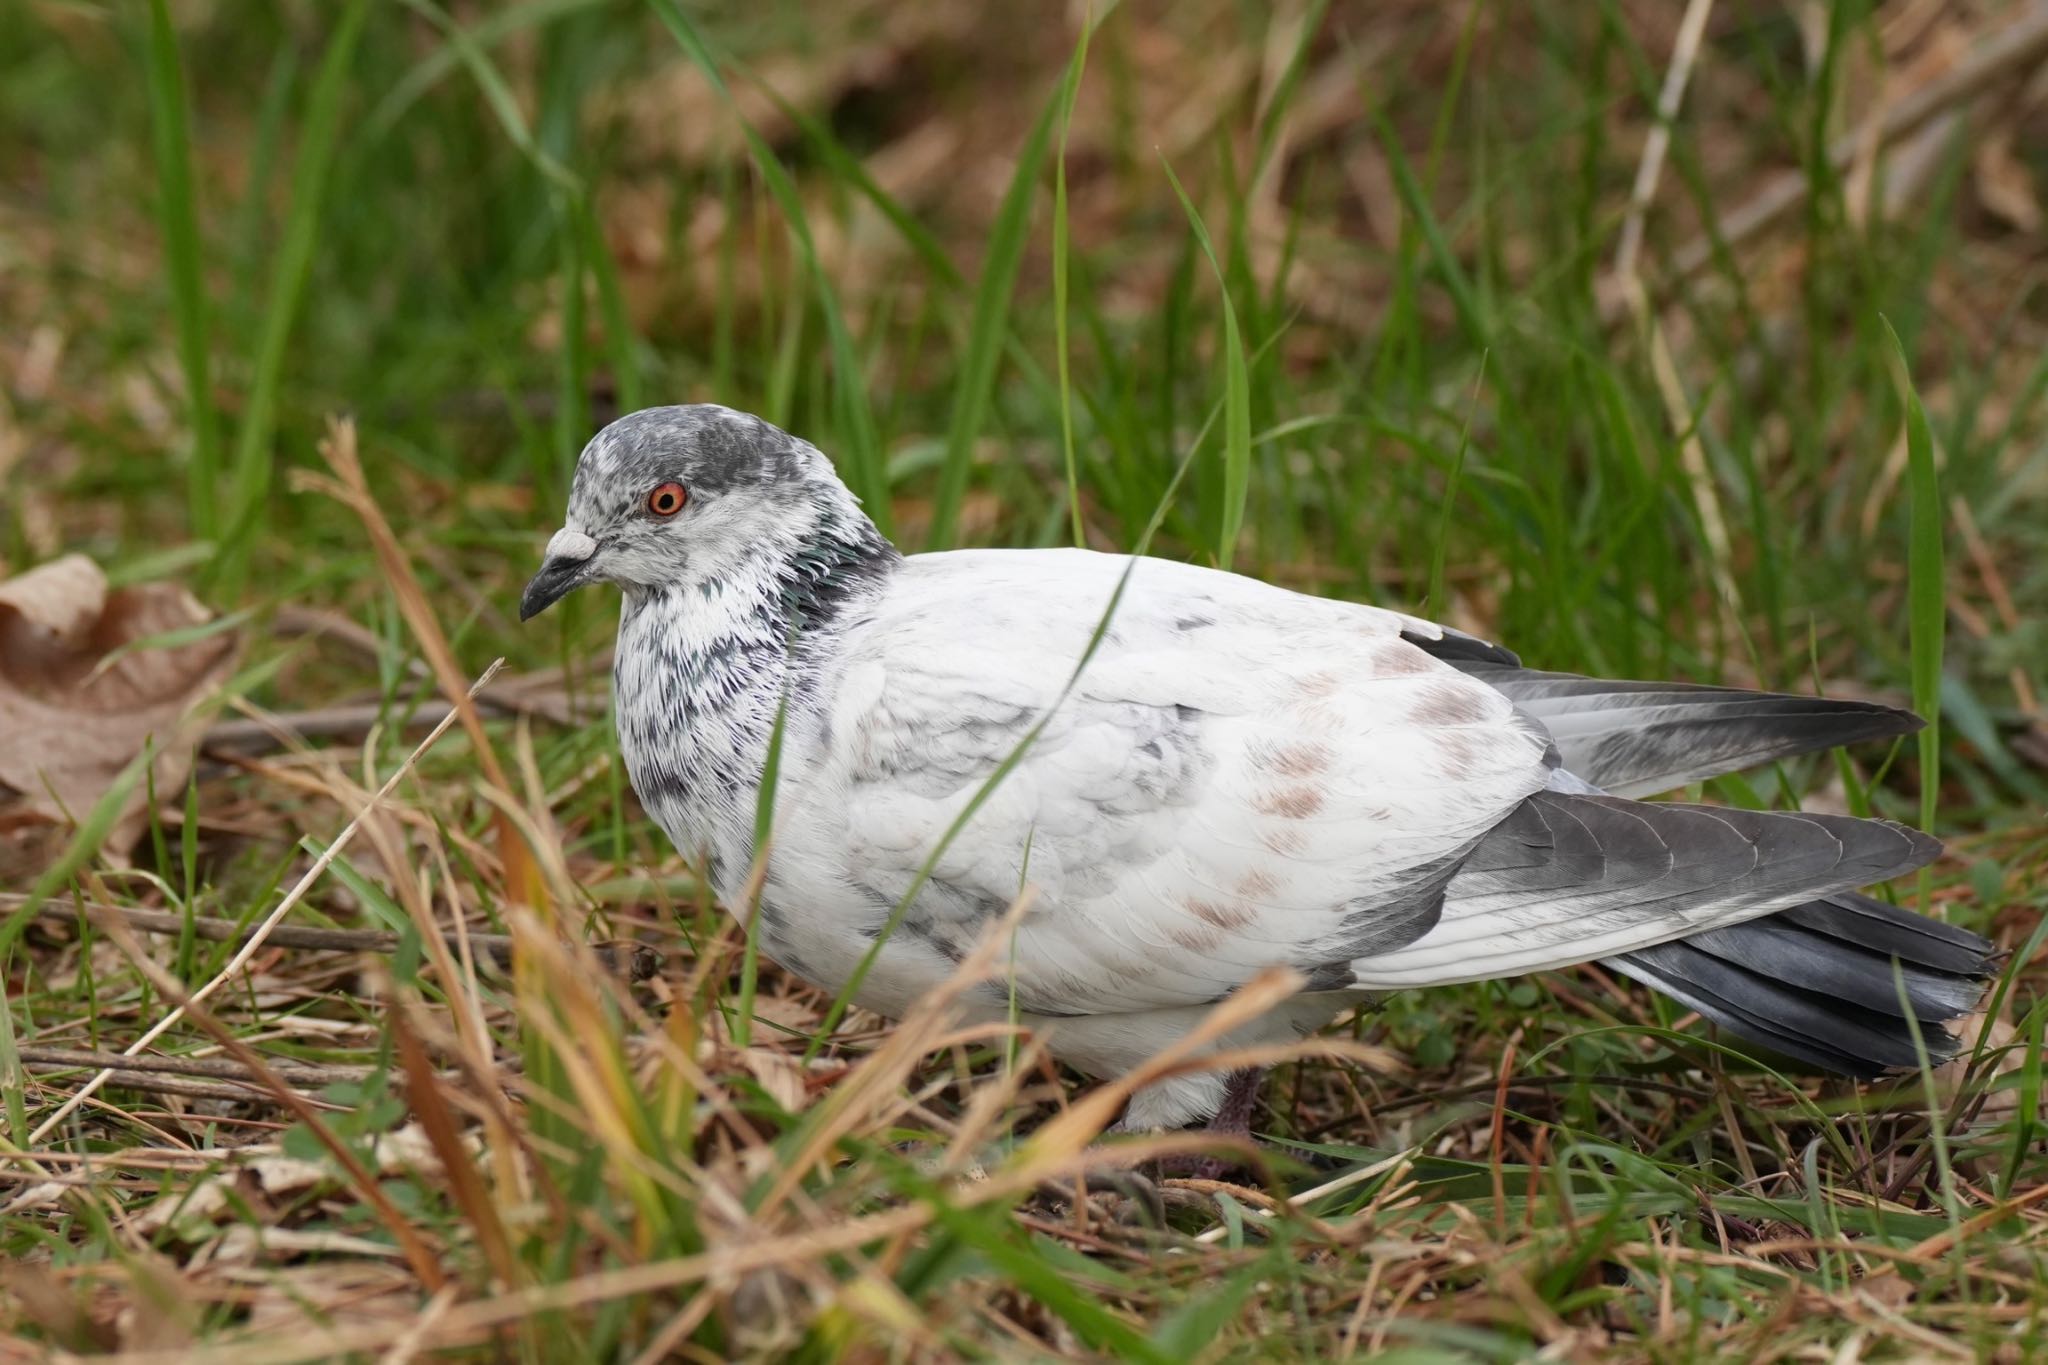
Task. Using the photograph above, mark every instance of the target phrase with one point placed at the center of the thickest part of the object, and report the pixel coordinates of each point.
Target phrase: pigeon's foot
(1136, 1199)
(1204, 1166)
(1133, 1198)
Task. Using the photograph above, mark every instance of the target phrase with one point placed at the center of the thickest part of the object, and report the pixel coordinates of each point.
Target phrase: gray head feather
(761, 507)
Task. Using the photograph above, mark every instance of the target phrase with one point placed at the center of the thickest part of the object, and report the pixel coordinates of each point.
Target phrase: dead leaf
(266, 1182)
(79, 700)
(319, 1297)
(779, 1074)
(55, 1306)
(45, 1194)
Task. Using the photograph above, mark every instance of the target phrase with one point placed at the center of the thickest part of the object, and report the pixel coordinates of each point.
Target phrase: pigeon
(1201, 776)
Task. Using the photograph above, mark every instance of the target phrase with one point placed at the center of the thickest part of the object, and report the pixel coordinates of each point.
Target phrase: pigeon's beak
(566, 568)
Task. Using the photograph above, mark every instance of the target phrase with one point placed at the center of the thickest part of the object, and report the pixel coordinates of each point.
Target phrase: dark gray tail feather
(1641, 738)
(1816, 982)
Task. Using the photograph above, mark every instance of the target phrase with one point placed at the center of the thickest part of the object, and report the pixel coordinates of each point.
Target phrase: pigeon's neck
(843, 562)
(702, 670)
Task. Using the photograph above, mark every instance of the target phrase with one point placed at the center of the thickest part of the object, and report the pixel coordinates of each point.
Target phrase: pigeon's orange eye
(667, 500)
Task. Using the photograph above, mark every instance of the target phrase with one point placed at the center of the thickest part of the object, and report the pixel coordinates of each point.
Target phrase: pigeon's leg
(1233, 1118)
(1240, 1098)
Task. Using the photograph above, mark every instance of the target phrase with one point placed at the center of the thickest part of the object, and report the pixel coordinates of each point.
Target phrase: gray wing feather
(1569, 877)
(1641, 738)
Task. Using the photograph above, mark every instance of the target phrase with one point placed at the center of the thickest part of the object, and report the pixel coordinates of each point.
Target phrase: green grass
(179, 230)
(1927, 595)
(1324, 301)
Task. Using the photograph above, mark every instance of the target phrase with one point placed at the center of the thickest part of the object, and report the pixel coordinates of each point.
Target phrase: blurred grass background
(1434, 340)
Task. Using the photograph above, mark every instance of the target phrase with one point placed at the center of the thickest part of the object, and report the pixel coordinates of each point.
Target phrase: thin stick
(298, 1074)
(241, 1092)
(635, 961)
(1684, 51)
(352, 723)
(269, 923)
(1628, 278)
(541, 693)
(1328, 1187)
(215, 930)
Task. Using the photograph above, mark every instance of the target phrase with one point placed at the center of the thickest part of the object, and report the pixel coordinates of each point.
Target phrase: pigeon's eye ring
(667, 499)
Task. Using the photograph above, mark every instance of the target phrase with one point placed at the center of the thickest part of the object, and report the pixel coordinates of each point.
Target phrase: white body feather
(1237, 776)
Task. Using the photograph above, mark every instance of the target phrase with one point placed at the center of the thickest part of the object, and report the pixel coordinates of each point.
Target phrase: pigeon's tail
(1817, 983)
(1641, 738)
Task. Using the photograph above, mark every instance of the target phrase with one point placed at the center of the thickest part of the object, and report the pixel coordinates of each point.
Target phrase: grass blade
(1926, 595)
(764, 835)
(1059, 282)
(620, 338)
(253, 457)
(1237, 397)
(579, 243)
(1093, 1322)
(83, 845)
(1441, 550)
(867, 476)
(178, 221)
(1415, 199)
(991, 319)
(849, 170)
(844, 999)
(488, 31)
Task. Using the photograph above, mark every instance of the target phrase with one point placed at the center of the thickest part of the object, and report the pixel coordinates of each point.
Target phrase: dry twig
(634, 961)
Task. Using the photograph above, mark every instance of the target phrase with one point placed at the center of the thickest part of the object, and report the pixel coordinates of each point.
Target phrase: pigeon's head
(666, 497)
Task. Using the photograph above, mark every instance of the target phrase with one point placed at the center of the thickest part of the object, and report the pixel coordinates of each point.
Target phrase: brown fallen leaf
(267, 1183)
(315, 1299)
(2005, 1052)
(56, 1306)
(81, 692)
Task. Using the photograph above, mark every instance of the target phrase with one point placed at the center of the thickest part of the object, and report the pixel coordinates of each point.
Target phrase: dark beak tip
(554, 582)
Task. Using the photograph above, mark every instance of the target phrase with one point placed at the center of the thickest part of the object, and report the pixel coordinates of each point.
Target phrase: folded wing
(1568, 878)
(1641, 738)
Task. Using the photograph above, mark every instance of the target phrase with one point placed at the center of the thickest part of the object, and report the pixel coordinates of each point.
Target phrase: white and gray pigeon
(1242, 776)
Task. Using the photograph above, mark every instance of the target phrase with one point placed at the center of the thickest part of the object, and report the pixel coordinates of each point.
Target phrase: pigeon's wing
(1569, 877)
(1641, 738)
(1240, 776)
